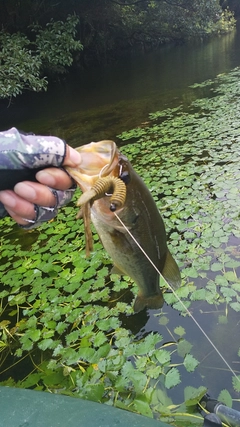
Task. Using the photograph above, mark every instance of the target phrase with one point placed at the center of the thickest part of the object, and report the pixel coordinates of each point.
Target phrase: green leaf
(225, 398)
(216, 266)
(184, 347)
(147, 345)
(18, 299)
(163, 356)
(138, 379)
(172, 378)
(142, 407)
(34, 334)
(99, 339)
(92, 392)
(190, 363)
(27, 344)
(193, 395)
(163, 320)
(235, 306)
(236, 383)
(179, 330)
(230, 276)
(73, 337)
(154, 372)
(45, 344)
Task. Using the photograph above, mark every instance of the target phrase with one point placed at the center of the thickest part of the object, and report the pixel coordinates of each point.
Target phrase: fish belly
(130, 261)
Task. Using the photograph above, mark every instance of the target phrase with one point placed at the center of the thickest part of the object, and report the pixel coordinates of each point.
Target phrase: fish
(140, 216)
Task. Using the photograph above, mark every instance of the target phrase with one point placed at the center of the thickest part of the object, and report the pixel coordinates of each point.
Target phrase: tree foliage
(25, 60)
(233, 5)
(160, 21)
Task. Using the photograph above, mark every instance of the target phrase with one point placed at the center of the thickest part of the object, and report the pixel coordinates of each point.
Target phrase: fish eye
(125, 177)
(113, 207)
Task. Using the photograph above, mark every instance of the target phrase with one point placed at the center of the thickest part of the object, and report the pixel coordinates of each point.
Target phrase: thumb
(72, 157)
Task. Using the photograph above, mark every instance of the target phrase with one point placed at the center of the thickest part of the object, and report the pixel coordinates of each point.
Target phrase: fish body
(140, 216)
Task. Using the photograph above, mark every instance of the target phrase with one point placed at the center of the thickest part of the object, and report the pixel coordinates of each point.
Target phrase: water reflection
(103, 102)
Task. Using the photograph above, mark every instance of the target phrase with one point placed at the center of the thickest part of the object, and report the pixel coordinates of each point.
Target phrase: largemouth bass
(140, 215)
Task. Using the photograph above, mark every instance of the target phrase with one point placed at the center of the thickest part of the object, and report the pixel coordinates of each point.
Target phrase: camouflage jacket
(22, 155)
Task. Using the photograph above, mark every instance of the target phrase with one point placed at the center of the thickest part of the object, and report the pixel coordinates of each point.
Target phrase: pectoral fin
(171, 271)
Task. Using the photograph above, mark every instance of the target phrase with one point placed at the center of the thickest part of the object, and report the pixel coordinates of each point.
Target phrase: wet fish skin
(141, 216)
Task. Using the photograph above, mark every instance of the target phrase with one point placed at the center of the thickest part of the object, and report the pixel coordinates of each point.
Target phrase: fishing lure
(112, 186)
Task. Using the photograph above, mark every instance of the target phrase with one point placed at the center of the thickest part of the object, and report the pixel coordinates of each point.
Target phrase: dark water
(103, 102)
(100, 104)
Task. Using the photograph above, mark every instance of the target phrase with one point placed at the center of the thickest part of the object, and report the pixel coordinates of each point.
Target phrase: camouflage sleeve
(19, 151)
(21, 156)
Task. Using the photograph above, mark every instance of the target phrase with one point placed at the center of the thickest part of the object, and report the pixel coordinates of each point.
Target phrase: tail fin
(154, 302)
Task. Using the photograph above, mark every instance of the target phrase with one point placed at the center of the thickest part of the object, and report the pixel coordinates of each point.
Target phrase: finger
(35, 192)
(72, 157)
(55, 178)
(16, 206)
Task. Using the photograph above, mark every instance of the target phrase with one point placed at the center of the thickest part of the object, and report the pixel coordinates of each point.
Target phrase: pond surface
(103, 103)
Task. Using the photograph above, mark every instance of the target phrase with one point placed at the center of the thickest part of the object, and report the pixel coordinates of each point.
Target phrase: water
(100, 104)
(103, 102)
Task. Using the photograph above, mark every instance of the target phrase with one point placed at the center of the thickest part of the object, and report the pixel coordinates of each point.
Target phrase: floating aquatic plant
(69, 321)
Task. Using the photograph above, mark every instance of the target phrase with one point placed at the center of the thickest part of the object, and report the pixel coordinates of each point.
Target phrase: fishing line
(179, 300)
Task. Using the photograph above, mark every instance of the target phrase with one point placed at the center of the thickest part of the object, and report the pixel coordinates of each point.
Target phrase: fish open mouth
(98, 158)
(99, 170)
(96, 176)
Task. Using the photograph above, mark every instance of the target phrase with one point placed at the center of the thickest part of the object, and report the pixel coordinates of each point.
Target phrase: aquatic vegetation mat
(67, 323)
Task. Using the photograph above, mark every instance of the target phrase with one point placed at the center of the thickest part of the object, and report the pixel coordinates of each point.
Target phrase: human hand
(30, 203)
